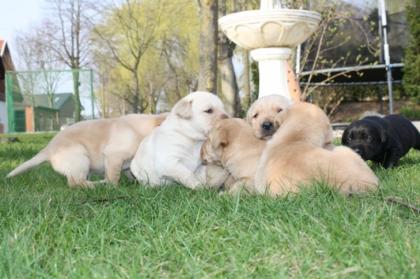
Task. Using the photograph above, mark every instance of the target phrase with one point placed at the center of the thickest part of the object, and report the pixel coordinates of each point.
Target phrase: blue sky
(16, 15)
(21, 15)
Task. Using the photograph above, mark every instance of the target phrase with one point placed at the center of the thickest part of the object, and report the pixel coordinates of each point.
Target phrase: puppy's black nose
(267, 125)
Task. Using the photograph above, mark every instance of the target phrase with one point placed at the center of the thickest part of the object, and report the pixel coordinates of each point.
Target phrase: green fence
(47, 100)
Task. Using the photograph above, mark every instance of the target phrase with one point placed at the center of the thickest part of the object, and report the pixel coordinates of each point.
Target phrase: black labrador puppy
(382, 140)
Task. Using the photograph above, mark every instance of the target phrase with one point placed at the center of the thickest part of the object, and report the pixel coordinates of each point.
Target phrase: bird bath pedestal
(270, 33)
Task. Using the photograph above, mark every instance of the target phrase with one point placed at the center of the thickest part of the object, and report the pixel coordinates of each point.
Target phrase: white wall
(3, 116)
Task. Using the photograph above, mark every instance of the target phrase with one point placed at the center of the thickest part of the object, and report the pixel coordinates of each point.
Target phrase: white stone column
(270, 5)
(273, 71)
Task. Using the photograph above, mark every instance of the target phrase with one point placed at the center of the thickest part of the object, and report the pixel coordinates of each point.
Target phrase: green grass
(50, 231)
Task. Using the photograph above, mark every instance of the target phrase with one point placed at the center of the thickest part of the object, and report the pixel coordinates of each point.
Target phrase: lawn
(50, 231)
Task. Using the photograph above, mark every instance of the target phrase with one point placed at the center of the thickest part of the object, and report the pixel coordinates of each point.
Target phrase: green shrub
(411, 79)
(411, 113)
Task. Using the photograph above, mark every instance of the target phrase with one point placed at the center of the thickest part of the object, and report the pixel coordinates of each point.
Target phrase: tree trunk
(246, 88)
(76, 92)
(134, 103)
(104, 96)
(136, 98)
(207, 80)
(151, 96)
(228, 83)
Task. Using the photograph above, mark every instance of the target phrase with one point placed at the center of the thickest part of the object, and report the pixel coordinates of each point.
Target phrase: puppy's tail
(39, 158)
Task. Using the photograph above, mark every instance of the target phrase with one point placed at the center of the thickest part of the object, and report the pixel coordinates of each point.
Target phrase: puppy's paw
(358, 188)
(234, 192)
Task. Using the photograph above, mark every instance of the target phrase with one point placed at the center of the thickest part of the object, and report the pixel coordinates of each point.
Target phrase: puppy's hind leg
(75, 166)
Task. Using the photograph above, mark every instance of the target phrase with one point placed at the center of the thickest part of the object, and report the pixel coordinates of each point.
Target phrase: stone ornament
(269, 28)
(271, 33)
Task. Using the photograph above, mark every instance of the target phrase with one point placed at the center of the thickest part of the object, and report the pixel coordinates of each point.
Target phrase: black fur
(382, 140)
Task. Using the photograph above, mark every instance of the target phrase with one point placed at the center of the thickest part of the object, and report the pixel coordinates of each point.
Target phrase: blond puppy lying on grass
(100, 146)
(232, 145)
(295, 157)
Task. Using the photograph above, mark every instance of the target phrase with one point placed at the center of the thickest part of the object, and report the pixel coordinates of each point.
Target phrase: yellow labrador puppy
(171, 153)
(262, 113)
(295, 156)
(101, 145)
(232, 145)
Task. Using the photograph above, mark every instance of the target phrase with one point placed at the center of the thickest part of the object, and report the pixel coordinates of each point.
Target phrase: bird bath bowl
(269, 28)
(270, 33)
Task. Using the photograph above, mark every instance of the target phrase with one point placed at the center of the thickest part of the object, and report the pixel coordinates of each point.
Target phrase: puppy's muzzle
(267, 129)
(267, 126)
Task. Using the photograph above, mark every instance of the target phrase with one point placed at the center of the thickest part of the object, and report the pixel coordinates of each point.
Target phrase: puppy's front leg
(238, 186)
(245, 183)
(183, 175)
(212, 176)
(391, 158)
(260, 178)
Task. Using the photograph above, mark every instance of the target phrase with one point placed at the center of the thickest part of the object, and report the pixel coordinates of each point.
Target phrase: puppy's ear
(223, 138)
(183, 109)
(280, 117)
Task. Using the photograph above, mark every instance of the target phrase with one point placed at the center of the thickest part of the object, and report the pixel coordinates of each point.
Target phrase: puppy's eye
(210, 110)
(255, 115)
(279, 110)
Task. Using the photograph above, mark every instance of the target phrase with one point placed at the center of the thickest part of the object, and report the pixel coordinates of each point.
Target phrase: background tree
(227, 76)
(411, 79)
(67, 32)
(207, 79)
(35, 57)
(244, 81)
(341, 40)
(127, 32)
(150, 50)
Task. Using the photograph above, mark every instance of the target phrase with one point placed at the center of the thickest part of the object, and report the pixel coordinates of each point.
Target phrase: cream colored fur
(100, 146)
(265, 109)
(233, 145)
(295, 157)
(171, 153)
